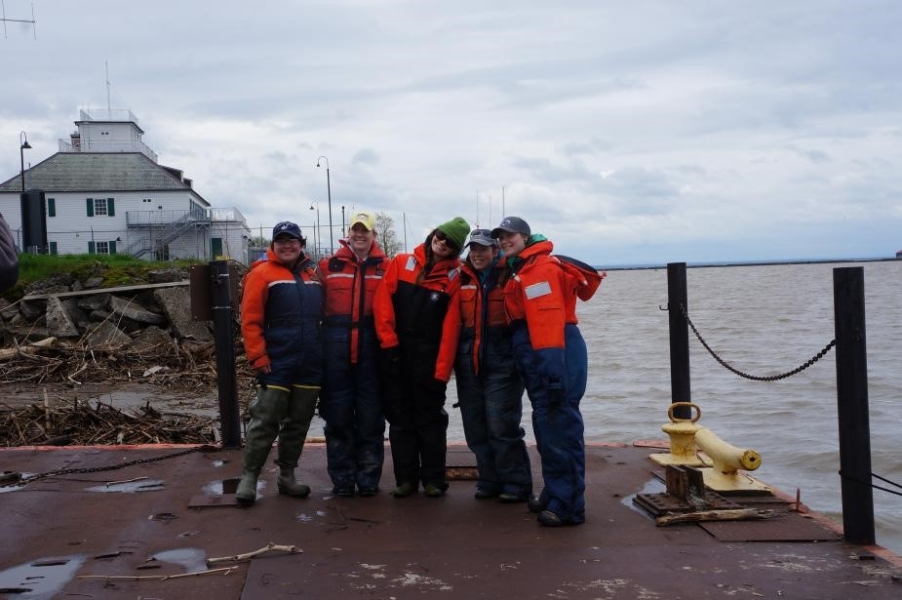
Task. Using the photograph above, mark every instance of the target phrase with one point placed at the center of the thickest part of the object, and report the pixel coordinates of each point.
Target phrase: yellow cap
(365, 219)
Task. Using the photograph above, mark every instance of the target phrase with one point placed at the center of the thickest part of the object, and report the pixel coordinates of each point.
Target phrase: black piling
(677, 303)
(852, 398)
(221, 279)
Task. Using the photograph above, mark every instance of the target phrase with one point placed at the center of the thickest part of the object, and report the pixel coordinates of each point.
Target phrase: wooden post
(852, 398)
(679, 339)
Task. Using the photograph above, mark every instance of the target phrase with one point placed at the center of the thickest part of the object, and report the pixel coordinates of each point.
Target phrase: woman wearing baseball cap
(351, 402)
(418, 322)
(281, 309)
(540, 301)
(489, 389)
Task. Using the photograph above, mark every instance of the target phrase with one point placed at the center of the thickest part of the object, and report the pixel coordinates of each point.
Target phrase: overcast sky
(628, 132)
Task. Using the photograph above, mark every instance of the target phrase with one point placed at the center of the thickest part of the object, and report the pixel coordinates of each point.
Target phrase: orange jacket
(350, 288)
(481, 310)
(418, 312)
(542, 290)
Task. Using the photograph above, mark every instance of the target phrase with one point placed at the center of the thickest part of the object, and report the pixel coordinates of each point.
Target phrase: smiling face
(287, 249)
(512, 243)
(481, 257)
(361, 239)
(442, 247)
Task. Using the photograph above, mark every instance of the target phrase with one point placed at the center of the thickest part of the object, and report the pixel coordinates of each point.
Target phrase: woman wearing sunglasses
(418, 322)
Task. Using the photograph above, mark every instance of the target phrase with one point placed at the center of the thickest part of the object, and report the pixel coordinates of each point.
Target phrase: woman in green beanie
(418, 323)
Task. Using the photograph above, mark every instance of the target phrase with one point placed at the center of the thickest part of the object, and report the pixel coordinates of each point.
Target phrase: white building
(107, 194)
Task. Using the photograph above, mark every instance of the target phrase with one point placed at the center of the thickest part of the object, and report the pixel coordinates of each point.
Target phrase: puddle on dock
(219, 487)
(39, 579)
(11, 482)
(193, 559)
(129, 487)
(653, 486)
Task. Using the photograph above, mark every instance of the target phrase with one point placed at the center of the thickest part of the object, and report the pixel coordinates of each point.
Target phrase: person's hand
(262, 365)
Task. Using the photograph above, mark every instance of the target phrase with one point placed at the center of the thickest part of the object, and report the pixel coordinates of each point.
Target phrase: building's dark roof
(98, 172)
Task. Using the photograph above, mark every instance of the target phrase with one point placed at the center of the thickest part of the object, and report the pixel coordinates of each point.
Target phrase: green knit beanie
(457, 230)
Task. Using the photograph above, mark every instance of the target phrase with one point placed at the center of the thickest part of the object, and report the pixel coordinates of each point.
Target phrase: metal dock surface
(78, 535)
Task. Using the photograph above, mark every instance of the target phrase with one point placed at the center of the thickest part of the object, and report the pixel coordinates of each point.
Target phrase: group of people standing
(374, 339)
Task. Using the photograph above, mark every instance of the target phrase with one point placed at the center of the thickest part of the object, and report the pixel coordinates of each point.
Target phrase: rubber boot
(301, 406)
(267, 411)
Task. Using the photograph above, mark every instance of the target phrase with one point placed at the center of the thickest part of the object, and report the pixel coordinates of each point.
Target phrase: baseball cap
(365, 219)
(512, 225)
(287, 228)
(483, 237)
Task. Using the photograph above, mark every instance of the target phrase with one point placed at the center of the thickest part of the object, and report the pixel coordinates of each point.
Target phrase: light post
(329, 196)
(23, 146)
(317, 234)
(344, 231)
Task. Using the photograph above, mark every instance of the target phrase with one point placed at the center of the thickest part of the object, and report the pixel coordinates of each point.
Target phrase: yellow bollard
(683, 449)
(724, 475)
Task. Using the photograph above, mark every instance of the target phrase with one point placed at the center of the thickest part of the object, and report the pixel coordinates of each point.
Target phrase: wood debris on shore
(81, 421)
(85, 423)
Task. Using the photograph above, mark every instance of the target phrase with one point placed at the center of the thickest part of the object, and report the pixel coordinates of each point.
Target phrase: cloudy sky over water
(639, 132)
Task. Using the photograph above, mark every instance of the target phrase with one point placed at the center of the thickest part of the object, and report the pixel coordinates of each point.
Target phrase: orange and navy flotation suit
(482, 316)
(281, 311)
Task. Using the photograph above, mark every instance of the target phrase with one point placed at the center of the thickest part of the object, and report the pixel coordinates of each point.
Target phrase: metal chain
(33, 478)
(723, 363)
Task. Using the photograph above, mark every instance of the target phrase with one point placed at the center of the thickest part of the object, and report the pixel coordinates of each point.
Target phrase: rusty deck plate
(791, 527)
(384, 547)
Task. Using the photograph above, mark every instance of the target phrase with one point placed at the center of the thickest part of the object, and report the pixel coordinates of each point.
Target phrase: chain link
(58, 472)
(723, 363)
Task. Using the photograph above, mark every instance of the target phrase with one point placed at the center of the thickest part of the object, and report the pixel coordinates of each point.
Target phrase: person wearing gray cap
(489, 389)
(540, 301)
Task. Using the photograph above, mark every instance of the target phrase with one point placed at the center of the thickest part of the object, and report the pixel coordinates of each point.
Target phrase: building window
(99, 207)
(102, 247)
(51, 207)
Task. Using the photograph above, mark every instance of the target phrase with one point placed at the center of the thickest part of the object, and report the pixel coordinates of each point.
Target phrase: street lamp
(317, 234)
(329, 196)
(23, 146)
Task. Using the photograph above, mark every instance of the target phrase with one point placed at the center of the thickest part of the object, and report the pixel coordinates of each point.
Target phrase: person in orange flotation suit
(281, 310)
(418, 323)
(351, 400)
(540, 300)
(489, 389)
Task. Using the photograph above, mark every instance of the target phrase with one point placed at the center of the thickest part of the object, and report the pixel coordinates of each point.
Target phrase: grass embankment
(115, 269)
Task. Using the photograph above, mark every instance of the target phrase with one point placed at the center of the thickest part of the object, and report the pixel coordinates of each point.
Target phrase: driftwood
(83, 423)
(223, 570)
(270, 547)
(737, 514)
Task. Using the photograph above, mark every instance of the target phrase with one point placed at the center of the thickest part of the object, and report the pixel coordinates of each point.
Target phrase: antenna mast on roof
(109, 109)
(5, 20)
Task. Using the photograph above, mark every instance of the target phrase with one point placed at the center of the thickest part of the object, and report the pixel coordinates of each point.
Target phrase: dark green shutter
(51, 207)
(111, 211)
(90, 247)
(90, 207)
(53, 248)
(113, 247)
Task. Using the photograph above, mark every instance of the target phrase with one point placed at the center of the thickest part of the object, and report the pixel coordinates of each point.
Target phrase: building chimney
(76, 142)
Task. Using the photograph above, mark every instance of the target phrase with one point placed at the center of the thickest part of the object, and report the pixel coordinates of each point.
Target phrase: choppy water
(763, 320)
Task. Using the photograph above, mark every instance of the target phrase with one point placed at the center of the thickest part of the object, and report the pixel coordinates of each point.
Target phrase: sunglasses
(440, 236)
